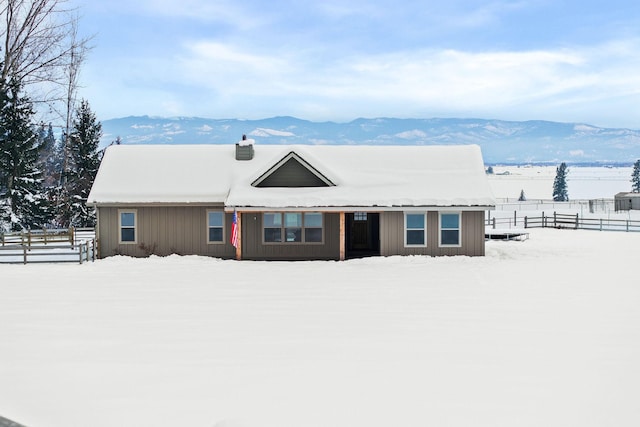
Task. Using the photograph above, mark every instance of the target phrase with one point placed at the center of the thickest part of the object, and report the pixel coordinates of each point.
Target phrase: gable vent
(244, 149)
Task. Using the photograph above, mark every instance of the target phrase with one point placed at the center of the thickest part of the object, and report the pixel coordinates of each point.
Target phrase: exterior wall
(627, 201)
(392, 235)
(183, 230)
(163, 231)
(253, 247)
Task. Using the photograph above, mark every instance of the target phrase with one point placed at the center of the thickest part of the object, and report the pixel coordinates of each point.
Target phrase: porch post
(342, 237)
(239, 229)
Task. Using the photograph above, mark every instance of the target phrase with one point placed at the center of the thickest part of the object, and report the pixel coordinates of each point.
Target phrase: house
(292, 202)
(627, 201)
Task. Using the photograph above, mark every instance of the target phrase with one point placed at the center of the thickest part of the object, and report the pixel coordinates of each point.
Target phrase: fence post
(577, 221)
(600, 224)
(515, 218)
(494, 222)
(627, 225)
(24, 254)
(554, 219)
(71, 236)
(80, 252)
(525, 221)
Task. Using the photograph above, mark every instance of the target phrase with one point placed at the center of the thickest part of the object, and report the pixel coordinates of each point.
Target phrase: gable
(292, 171)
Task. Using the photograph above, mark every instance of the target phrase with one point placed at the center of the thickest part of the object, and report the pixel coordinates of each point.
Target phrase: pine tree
(522, 197)
(83, 162)
(22, 203)
(635, 177)
(560, 193)
(50, 161)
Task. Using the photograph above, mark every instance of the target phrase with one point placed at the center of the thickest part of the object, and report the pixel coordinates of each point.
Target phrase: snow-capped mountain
(501, 141)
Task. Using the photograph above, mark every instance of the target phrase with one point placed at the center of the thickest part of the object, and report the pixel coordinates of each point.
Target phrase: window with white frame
(415, 229)
(215, 226)
(450, 229)
(127, 223)
(292, 227)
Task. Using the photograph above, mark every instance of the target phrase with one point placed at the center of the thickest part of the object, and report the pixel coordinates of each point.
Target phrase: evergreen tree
(22, 203)
(560, 193)
(635, 177)
(50, 161)
(522, 197)
(83, 162)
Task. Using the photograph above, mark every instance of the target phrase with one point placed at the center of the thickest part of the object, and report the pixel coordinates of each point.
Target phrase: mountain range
(515, 142)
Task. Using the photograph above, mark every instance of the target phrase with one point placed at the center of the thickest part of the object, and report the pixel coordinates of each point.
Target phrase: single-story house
(627, 201)
(291, 202)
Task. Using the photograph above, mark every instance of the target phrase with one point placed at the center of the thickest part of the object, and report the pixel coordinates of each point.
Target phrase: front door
(360, 231)
(363, 234)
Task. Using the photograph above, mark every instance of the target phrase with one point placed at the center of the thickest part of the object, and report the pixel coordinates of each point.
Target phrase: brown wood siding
(392, 235)
(292, 174)
(254, 249)
(163, 231)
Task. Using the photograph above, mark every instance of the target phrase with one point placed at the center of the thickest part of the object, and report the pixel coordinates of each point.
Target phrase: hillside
(501, 141)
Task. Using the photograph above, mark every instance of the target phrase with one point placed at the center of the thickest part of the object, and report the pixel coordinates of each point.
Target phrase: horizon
(516, 61)
(180, 117)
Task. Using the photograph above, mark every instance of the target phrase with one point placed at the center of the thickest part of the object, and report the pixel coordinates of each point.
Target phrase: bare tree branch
(40, 40)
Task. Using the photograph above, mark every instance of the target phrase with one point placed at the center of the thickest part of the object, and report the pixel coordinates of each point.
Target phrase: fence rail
(560, 220)
(48, 246)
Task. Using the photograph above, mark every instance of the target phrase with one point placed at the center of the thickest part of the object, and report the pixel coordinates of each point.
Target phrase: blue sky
(571, 61)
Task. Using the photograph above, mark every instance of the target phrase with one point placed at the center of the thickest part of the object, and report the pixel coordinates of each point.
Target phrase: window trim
(424, 230)
(209, 227)
(459, 229)
(135, 226)
(303, 228)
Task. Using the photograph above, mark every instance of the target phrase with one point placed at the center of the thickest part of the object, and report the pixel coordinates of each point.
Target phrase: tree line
(44, 179)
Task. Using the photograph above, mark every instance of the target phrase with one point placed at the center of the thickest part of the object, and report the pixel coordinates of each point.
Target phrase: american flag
(234, 230)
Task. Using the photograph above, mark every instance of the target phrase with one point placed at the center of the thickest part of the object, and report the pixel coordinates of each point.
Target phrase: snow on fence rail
(40, 246)
(563, 220)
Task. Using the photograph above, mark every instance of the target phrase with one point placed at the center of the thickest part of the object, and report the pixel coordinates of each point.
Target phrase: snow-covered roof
(363, 176)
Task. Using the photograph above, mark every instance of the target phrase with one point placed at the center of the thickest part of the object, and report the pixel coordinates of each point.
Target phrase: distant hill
(501, 141)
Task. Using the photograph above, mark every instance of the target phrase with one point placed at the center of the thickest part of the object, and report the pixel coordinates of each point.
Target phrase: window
(272, 227)
(215, 227)
(415, 226)
(359, 216)
(127, 224)
(449, 229)
(313, 227)
(292, 227)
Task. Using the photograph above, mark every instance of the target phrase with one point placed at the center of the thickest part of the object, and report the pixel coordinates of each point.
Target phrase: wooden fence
(47, 246)
(573, 221)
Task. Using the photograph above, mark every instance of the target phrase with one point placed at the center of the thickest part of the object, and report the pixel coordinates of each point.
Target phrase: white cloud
(585, 84)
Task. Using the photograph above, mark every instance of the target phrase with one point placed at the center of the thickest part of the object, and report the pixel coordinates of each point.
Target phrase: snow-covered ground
(537, 181)
(544, 332)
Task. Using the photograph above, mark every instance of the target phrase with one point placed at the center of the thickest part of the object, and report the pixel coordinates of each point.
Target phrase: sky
(338, 60)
